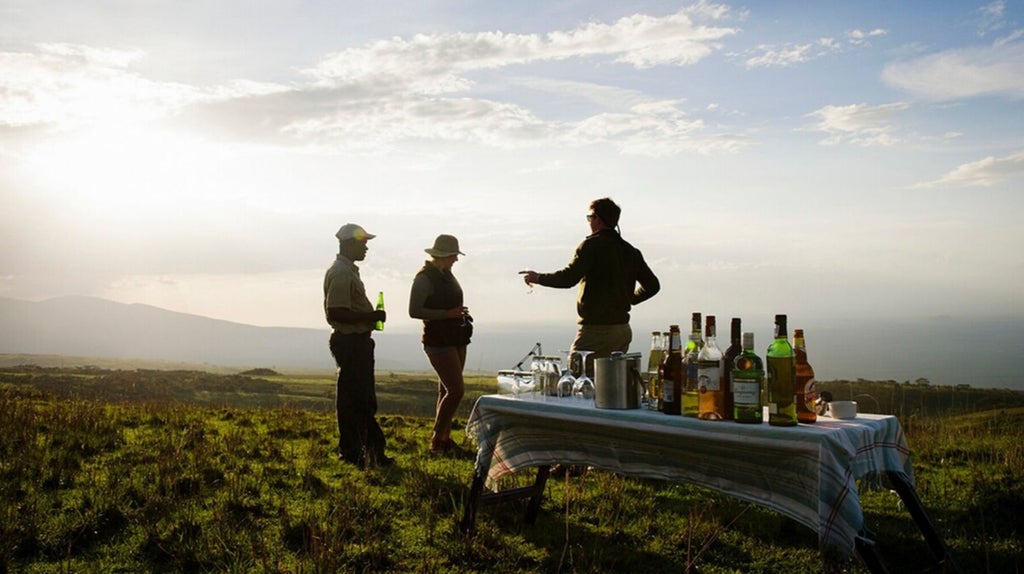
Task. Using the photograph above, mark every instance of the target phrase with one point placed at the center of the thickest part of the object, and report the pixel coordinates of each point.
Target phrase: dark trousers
(360, 437)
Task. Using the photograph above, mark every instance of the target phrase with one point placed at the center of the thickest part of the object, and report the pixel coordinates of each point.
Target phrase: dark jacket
(607, 269)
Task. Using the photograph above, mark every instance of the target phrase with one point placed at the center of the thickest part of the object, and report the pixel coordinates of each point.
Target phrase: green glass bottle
(781, 381)
(747, 377)
(380, 307)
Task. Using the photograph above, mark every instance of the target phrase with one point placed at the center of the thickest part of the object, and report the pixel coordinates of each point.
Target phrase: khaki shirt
(343, 288)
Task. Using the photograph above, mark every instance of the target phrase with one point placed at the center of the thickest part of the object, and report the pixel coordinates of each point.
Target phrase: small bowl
(843, 410)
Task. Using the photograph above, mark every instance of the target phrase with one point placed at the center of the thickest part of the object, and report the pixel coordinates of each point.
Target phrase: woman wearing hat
(436, 299)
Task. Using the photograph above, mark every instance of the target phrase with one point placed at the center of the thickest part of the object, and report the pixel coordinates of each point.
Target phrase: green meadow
(147, 470)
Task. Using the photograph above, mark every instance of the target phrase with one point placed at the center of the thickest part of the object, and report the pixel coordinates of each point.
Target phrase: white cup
(843, 409)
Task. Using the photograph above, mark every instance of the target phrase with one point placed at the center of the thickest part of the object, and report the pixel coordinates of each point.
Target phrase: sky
(827, 159)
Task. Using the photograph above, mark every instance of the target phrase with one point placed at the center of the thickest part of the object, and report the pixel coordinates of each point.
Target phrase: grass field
(187, 471)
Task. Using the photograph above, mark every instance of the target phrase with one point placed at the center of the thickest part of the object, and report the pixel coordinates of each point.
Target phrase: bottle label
(666, 391)
(746, 391)
(709, 380)
(810, 395)
(690, 384)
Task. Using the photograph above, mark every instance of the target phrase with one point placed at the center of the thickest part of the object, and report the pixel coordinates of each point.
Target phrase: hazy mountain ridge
(944, 350)
(92, 327)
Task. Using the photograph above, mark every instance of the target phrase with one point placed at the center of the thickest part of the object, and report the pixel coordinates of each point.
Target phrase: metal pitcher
(617, 381)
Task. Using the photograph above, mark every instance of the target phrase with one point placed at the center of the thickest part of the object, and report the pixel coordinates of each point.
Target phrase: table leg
(477, 498)
(867, 549)
(908, 495)
(538, 493)
(469, 515)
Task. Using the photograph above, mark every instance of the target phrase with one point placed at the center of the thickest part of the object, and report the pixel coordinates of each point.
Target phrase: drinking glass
(584, 386)
(566, 384)
(537, 368)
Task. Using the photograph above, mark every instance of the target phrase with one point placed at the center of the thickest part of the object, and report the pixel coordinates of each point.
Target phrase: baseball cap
(353, 231)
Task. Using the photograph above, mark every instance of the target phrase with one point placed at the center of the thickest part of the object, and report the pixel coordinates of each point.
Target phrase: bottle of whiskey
(728, 360)
(781, 381)
(711, 402)
(806, 388)
(671, 374)
(747, 383)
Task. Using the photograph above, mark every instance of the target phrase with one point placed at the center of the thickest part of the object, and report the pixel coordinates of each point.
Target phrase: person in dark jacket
(436, 298)
(612, 277)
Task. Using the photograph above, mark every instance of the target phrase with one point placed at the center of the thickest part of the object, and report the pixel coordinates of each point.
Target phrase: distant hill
(91, 327)
(87, 327)
(949, 351)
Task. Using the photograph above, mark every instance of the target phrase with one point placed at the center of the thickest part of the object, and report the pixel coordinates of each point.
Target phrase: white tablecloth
(807, 472)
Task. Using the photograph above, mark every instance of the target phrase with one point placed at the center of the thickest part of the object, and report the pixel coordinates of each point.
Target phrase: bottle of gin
(747, 383)
(711, 402)
(671, 374)
(781, 381)
(806, 388)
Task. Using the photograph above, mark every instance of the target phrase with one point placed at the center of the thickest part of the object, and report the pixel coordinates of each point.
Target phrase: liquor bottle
(806, 388)
(653, 363)
(671, 374)
(691, 391)
(380, 307)
(728, 360)
(747, 382)
(711, 402)
(781, 392)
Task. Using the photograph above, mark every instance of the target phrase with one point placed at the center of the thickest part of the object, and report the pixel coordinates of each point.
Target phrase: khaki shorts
(603, 340)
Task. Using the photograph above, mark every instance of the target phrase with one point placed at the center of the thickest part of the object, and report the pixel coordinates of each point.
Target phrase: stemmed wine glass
(566, 384)
(584, 385)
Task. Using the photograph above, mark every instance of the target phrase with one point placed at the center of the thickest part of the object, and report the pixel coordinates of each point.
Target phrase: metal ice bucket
(617, 381)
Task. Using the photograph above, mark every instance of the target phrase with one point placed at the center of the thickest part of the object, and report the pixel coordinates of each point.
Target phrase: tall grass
(93, 485)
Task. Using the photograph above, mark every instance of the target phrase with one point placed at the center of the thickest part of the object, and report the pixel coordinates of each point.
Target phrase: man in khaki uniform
(353, 318)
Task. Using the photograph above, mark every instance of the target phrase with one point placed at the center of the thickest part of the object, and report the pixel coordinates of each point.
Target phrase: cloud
(773, 56)
(990, 17)
(982, 173)
(433, 64)
(858, 124)
(399, 89)
(794, 53)
(373, 97)
(653, 129)
(860, 37)
(66, 86)
(997, 69)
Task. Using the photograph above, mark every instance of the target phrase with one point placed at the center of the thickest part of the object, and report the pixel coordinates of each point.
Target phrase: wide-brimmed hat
(444, 246)
(353, 231)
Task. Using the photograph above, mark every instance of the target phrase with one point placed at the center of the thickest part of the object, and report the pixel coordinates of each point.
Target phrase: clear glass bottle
(711, 402)
(781, 380)
(747, 384)
(728, 360)
(691, 391)
(806, 387)
(671, 374)
(658, 349)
